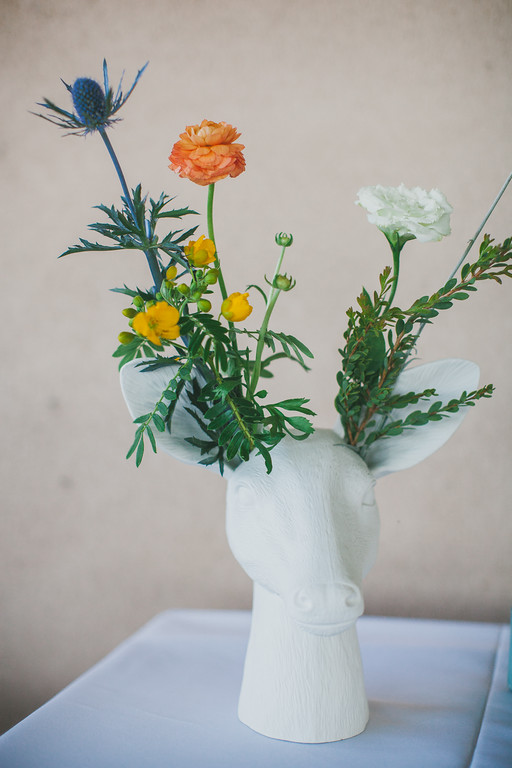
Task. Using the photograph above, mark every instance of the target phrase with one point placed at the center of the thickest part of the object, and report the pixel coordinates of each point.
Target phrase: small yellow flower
(200, 252)
(236, 307)
(160, 321)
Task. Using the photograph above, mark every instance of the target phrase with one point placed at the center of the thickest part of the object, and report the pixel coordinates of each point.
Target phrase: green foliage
(379, 340)
(139, 347)
(235, 424)
(219, 367)
(134, 227)
(216, 375)
(234, 420)
(160, 415)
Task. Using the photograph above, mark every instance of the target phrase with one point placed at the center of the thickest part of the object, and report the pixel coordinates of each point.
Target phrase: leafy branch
(134, 227)
(160, 415)
(380, 338)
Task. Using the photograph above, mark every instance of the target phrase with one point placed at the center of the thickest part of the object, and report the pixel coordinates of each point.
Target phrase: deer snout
(325, 609)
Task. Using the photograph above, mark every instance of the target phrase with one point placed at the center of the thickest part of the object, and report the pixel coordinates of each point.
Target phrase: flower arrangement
(181, 322)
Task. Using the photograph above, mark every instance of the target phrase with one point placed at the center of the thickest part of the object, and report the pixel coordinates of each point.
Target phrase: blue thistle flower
(94, 110)
(94, 105)
(89, 102)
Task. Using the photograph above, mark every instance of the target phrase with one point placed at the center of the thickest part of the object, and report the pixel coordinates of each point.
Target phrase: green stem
(278, 267)
(149, 252)
(274, 295)
(222, 284)
(473, 240)
(211, 235)
(482, 225)
(396, 249)
(259, 349)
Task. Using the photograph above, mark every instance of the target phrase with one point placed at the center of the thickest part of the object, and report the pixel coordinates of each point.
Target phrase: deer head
(308, 531)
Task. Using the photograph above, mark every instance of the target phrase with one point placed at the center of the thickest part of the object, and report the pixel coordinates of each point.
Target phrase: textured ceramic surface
(307, 534)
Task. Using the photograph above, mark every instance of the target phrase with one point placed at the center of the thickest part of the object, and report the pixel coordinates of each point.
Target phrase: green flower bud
(166, 290)
(204, 305)
(284, 283)
(195, 295)
(129, 312)
(211, 276)
(183, 289)
(125, 337)
(283, 239)
(138, 302)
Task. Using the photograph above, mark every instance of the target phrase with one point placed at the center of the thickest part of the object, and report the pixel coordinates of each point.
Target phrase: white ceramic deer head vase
(307, 534)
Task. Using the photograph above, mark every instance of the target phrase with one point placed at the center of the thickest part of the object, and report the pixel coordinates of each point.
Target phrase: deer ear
(142, 389)
(449, 378)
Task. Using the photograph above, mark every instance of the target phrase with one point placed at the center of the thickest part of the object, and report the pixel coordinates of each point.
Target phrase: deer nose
(326, 608)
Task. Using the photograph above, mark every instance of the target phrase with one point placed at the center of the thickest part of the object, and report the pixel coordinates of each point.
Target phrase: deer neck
(298, 686)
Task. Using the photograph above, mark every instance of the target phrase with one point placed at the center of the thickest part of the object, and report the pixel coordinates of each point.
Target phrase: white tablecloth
(167, 698)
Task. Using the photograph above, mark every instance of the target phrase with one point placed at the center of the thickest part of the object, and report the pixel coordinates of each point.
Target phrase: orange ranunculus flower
(236, 307)
(207, 153)
(200, 252)
(159, 321)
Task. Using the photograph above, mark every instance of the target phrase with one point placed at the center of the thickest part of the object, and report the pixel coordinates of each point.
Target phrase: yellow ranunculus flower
(236, 307)
(160, 321)
(200, 252)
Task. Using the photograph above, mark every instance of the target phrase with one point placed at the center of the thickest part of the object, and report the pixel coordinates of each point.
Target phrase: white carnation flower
(408, 212)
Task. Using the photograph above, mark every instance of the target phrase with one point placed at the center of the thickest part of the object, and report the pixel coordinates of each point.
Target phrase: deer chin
(325, 630)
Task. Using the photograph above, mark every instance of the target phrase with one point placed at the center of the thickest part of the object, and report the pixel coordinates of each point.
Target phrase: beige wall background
(329, 95)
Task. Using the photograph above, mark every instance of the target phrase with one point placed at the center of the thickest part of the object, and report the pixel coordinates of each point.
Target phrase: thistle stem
(117, 166)
(149, 253)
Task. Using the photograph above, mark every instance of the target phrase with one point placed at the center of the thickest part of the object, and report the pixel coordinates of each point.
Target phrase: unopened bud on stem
(284, 283)
(211, 277)
(284, 240)
(125, 337)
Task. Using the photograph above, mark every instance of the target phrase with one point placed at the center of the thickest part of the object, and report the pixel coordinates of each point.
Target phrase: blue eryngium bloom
(94, 105)
(89, 102)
